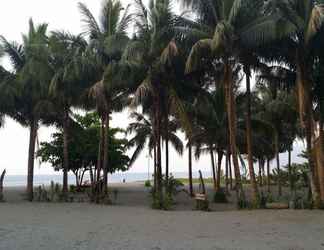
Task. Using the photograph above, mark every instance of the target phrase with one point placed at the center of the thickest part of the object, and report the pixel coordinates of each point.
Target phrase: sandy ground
(132, 224)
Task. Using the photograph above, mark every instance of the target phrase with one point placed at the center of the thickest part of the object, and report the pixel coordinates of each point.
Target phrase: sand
(132, 224)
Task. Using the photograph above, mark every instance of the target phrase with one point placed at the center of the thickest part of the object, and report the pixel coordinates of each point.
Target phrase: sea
(21, 180)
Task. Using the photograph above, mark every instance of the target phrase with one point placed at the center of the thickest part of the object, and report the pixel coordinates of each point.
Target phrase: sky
(64, 15)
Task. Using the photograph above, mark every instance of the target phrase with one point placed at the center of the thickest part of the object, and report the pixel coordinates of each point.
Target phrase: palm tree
(108, 38)
(65, 84)
(27, 81)
(143, 129)
(299, 23)
(211, 129)
(155, 51)
(237, 28)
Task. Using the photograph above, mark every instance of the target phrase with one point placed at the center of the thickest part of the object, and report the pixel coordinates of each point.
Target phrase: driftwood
(277, 205)
(1, 184)
(201, 197)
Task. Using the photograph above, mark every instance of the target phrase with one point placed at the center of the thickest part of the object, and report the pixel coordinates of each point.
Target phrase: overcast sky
(60, 15)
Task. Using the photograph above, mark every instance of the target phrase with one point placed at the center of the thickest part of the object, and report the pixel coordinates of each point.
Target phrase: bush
(220, 196)
(73, 188)
(147, 184)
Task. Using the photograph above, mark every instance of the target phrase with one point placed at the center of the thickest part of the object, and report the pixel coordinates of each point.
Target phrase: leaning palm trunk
(255, 191)
(306, 118)
(65, 153)
(1, 184)
(105, 154)
(31, 158)
(231, 113)
(213, 168)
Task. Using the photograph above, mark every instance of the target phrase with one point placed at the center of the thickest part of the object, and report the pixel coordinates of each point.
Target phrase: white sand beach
(132, 224)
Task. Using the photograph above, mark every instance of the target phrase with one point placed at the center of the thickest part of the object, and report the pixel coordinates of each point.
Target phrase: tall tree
(29, 79)
(108, 38)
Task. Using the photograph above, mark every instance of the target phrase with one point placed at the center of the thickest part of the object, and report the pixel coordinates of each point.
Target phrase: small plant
(115, 192)
(220, 196)
(147, 184)
(73, 189)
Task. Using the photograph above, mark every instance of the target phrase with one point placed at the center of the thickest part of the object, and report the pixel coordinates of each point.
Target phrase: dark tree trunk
(155, 182)
(231, 113)
(213, 167)
(219, 168)
(290, 171)
(158, 153)
(1, 184)
(260, 172)
(65, 152)
(226, 172)
(167, 158)
(306, 116)
(255, 191)
(230, 170)
(268, 175)
(278, 165)
(320, 166)
(31, 158)
(190, 169)
(105, 155)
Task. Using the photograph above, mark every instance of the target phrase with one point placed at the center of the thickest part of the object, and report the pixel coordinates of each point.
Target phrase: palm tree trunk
(231, 113)
(213, 167)
(105, 155)
(155, 182)
(320, 165)
(278, 164)
(268, 174)
(1, 184)
(306, 117)
(289, 171)
(230, 170)
(167, 150)
(65, 152)
(158, 140)
(219, 168)
(190, 168)
(260, 173)
(226, 172)
(255, 191)
(31, 157)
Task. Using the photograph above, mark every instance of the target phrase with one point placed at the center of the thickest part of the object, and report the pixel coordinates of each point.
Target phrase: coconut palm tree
(299, 23)
(143, 129)
(108, 38)
(155, 51)
(237, 28)
(27, 81)
(66, 83)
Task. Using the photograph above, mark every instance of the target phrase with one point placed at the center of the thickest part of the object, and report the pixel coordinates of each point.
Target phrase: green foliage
(220, 196)
(170, 189)
(83, 146)
(147, 184)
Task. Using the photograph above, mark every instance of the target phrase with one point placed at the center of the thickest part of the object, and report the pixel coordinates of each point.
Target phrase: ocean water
(21, 180)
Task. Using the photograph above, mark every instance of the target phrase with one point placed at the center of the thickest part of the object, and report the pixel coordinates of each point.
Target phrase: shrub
(147, 184)
(73, 188)
(220, 196)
